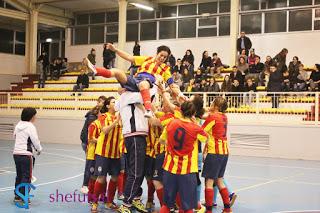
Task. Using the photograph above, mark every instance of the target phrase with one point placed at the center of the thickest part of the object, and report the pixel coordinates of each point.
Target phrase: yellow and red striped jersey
(152, 140)
(216, 126)
(182, 146)
(109, 145)
(93, 133)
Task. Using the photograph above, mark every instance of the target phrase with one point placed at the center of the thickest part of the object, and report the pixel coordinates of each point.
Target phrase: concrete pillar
(121, 64)
(234, 30)
(31, 41)
(27, 47)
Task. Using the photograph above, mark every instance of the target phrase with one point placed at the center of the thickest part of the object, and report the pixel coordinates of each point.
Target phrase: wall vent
(250, 141)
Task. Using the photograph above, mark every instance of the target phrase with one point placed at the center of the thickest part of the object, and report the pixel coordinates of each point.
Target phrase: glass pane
(53, 34)
(132, 15)
(317, 1)
(112, 38)
(251, 23)
(144, 14)
(2, 3)
(19, 49)
(113, 16)
(211, 7)
(132, 32)
(276, 3)
(300, 20)
(148, 31)
(83, 19)
(6, 41)
(81, 35)
(96, 34)
(294, 3)
(169, 11)
(317, 13)
(224, 25)
(186, 10)
(276, 22)
(97, 18)
(206, 32)
(207, 21)
(112, 29)
(224, 6)
(54, 52)
(187, 28)
(167, 29)
(249, 5)
(20, 36)
(317, 25)
(264, 4)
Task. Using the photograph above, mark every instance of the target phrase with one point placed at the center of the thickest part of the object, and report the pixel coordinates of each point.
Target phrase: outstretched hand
(111, 47)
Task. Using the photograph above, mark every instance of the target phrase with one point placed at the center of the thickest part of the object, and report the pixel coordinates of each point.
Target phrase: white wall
(11, 69)
(306, 45)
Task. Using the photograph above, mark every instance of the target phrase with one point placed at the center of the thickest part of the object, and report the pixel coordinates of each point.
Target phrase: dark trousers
(24, 164)
(136, 153)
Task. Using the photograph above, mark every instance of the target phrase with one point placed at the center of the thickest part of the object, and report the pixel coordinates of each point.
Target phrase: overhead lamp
(142, 6)
(49, 40)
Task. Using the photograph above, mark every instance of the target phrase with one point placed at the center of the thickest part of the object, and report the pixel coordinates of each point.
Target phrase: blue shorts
(133, 82)
(106, 166)
(158, 170)
(214, 166)
(185, 185)
(149, 166)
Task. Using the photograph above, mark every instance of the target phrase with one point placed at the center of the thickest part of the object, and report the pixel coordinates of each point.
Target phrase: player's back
(219, 130)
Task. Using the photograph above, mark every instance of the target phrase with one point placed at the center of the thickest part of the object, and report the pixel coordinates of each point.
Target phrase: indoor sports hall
(59, 61)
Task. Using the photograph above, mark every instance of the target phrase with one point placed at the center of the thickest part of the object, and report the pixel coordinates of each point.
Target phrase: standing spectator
(45, 61)
(186, 77)
(205, 61)
(249, 88)
(275, 84)
(212, 86)
(136, 49)
(188, 57)
(280, 59)
(227, 84)
(108, 57)
(252, 57)
(42, 73)
(82, 82)
(92, 58)
(255, 69)
(294, 70)
(268, 61)
(315, 78)
(244, 43)
(302, 79)
(178, 67)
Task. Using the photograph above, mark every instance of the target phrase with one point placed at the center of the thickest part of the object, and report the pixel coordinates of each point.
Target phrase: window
(187, 10)
(207, 22)
(295, 3)
(249, 5)
(54, 51)
(276, 22)
(113, 16)
(112, 38)
(6, 41)
(20, 36)
(206, 32)
(210, 7)
(19, 49)
(132, 32)
(316, 1)
(97, 18)
(144, 14)
(167, 29)
(132, 15)
(112, 28)
(317, 25)
(187, 28)
(148, 31)
(96, 34)
(167, 11)
(317, 13)
(276, 3)
(251, 23)
(81, 35)
(224, 25)
(300, 20)
(55, 35)
(63, 46)
(224, 6)
(82, 19)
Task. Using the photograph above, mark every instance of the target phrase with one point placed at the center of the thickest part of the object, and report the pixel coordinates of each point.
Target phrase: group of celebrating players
(135, 137)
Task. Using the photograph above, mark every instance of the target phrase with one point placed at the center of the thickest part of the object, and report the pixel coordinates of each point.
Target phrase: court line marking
(40, 164)
(273, 165)
(298, 211)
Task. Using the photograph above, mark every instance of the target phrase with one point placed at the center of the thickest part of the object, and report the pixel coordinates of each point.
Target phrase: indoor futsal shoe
(17, 199)
(233, 198)
(138, 205)
(111, 206)
(124, 209)
(120, 197)
(94, 207)
(148, 114)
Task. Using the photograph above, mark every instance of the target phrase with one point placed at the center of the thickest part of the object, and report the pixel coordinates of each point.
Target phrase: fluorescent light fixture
(142, 6)
(49, 40)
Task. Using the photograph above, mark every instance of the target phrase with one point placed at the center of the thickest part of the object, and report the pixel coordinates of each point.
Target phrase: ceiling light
(49, 40)
(142, 6)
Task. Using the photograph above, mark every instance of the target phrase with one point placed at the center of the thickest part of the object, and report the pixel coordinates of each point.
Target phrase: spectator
(136, 49)
(244, 43)
(286, 81)
(189, 66)
(191, 86)
(242, 54)
(82, 82)
(275, 84)
(264, 77)
(302, 79)
(255, 69)
(45, 61)
(243, 66)
(205, 62)
(42, 73)
(198, 77)
(236, 98)
(252, 57)
(65, 65)
(92, 56)
(178, 67)
(294, 70)
(202, 86)
(186, 77)
(280, 59)
(188, 57)
(55, 69)
(268, 61)
(249, 88)
(177, 78)
(315, 78)
(227, 84)
(172, 61)
(216, 62)
(212, 86)
(237, 75)
(108, 57)
(218, 74)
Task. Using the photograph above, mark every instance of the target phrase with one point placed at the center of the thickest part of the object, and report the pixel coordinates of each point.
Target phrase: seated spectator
(236, 98)
(275, 84)
(82, 82)
(294, 70)
(198, 77)
(255, 69)
(65, 65)
(302, 79)
(172, 61)
(286, 81)
(227, 84)
(268, 61)
(252, 57)
(189, 66)
(315, 78)
(55, 69)
(243, 54)
(202, 86)
(280, 60)
(218, 74)
(236, 74)
(264, 77)
(250, 88)
(177, 78)
(216, 61)
(178, 67)
(188, 57)
(205, 61)
(191, 86)
(212, 86)
(186, 77)
(243, 66)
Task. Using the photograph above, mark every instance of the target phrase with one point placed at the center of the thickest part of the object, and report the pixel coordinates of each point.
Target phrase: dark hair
(189, 51)
(214, 54)
(318, 66)
(106, 103)
(273, 65)
(28, 113)
(296, 57)
(164, 48)
(179, 59)
(198, 105)
(204, 53)
(95, 110)
(188, 109)
(102, 97)
(257, 57)
(221, 103)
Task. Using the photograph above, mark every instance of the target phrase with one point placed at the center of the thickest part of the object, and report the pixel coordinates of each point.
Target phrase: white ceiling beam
(49, 1)
(14, 14)
(19, 4)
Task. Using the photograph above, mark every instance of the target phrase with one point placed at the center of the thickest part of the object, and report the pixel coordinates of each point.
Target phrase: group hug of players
(165, 142)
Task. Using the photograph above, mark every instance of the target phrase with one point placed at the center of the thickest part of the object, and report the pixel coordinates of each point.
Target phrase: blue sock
(199, 192)
(215, 194)
(227, 186)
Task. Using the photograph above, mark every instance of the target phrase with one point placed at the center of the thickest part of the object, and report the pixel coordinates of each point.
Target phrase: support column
(121, 64)
(27, 47)
(234, 30)
(31, 40)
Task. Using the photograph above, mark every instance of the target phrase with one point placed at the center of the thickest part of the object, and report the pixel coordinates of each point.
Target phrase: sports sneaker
(200, 209)
(120, 197)
(233, 198)
(226, 211)
(150, 206)
(124, 209)
(84, 190)
(138, 205)
(148, 114)
(111, 206)
(17, 199)
(94, 207)
(90, 66)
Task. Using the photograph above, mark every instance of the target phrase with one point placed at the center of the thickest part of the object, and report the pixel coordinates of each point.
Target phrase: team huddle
(168, 139)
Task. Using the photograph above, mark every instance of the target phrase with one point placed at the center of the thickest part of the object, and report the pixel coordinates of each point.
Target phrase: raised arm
(121, 53)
